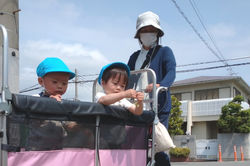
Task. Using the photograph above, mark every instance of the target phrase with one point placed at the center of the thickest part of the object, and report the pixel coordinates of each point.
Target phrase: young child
(114, 79)
(53, 75)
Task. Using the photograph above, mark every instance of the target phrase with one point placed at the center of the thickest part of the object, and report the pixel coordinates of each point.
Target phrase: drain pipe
(189, 118)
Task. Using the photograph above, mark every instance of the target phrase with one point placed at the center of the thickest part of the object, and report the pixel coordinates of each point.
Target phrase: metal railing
(4, 93)
(4, 63)
(204, 107)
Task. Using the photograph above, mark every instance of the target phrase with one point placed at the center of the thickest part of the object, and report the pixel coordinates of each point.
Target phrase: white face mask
(148, 39)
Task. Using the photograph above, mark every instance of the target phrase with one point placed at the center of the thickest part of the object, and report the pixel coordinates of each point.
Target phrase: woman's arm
(169, 67)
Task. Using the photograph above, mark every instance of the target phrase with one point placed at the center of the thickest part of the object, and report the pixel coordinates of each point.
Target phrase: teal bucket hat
(112, 65)
(51, 65)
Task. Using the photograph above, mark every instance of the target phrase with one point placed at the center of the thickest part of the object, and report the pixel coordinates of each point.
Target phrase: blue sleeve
(169, 67)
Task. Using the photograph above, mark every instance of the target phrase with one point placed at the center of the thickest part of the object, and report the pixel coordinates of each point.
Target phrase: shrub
(179, 152)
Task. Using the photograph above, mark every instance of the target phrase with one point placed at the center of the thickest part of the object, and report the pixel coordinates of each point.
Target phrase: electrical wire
(207, 62)
(84, 75)
(213, 67)
(198, 34)
(81, 82)
(179, 71)
(194, 6)
(29, 89)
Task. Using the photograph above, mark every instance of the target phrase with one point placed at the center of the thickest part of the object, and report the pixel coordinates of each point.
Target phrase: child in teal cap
(53, 75)
(114, 79)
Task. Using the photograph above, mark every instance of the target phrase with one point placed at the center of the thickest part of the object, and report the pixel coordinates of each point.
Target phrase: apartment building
(202, 99)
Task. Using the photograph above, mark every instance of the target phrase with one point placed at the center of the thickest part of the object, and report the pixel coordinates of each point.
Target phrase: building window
(236, 92)
(178, 96)
(207, 94)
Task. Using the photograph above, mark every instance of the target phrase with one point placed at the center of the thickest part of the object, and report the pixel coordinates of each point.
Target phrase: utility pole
(9, 18)
(76, 88)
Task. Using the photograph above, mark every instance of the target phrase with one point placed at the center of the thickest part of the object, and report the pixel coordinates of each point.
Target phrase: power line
(70, 82)
(84, 75)
(81, 82)
(207, 62)
(179, 71)
(203, 25)
(214, 67)
(197, 33)
(29, 89)
(194, 6)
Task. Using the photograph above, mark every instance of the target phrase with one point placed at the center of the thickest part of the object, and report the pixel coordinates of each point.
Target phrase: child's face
(54, 83)
(114, 84)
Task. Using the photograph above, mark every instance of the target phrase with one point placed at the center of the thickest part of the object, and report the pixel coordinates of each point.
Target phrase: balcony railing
(204, 107)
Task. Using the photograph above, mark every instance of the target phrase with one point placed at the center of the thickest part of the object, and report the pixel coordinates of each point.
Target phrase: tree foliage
(233, 119)
(175, 120)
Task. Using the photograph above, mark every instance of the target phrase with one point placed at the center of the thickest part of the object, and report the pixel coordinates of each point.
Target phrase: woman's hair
(112, 72)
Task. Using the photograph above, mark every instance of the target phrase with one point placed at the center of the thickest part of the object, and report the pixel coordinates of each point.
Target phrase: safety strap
(150, 56)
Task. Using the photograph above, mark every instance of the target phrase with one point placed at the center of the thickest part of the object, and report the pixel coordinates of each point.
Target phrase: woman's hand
(149, 88)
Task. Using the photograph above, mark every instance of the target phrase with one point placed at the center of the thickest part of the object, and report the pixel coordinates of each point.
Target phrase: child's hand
(71, 125)
(139, 96)
(58, 97)
(130, 93)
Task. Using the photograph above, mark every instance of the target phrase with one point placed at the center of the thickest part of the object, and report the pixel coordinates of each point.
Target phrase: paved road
(213, 163)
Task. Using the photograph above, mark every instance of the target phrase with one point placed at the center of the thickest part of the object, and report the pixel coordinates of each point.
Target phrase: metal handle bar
(4, 62)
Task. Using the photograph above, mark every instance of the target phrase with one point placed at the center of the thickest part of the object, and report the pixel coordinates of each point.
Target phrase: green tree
(175, 120)
(233, 119)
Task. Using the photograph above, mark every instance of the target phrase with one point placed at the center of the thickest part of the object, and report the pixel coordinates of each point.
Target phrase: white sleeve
(98, 96)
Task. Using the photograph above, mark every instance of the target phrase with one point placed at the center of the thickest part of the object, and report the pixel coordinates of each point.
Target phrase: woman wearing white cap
(161, 60)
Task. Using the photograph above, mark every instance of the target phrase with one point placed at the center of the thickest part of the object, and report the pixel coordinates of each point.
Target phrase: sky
(87, 35)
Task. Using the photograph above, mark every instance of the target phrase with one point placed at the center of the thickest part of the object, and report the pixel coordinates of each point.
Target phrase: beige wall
(199, 129)
(186, 96)
(205, 130)
(224, 93)
(191, 88)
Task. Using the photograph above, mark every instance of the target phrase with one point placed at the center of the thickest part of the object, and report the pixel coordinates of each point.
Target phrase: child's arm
(137, 108)
(114, 97)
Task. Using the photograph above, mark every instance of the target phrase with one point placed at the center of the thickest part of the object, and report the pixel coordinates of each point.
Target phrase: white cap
(146, 19)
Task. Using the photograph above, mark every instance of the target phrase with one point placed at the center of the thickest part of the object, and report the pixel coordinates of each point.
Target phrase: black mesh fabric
(45, 124)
